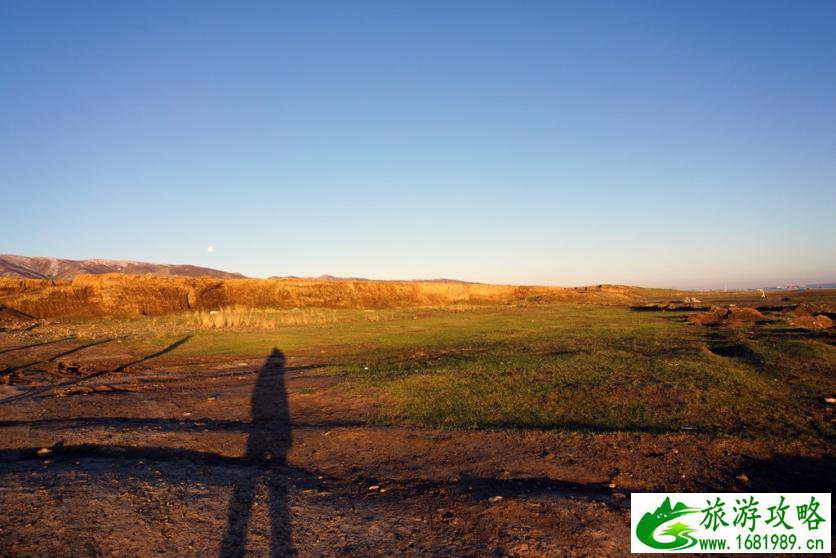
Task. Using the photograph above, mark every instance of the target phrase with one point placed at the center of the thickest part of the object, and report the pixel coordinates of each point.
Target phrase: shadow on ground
(41, 391)
(269, 438)
(791, 473)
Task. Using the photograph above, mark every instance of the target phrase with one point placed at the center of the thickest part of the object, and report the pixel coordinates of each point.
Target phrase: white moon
(210, 249)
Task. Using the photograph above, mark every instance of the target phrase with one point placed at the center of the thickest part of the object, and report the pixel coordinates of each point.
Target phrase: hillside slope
(26, 267)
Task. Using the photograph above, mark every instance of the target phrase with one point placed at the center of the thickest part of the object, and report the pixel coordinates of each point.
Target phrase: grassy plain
(465, 428)
(556, 366)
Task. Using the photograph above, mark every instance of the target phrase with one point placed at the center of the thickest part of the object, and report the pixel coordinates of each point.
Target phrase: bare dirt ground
(267, 457)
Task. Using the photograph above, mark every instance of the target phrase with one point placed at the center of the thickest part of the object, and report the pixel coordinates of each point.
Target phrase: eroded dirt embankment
(119, 294)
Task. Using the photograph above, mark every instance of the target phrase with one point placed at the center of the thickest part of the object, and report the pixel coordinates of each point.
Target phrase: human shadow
(790, 473)
(268, 443)
(265, 457)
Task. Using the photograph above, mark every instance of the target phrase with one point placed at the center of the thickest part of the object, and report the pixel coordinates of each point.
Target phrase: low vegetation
(271, 318)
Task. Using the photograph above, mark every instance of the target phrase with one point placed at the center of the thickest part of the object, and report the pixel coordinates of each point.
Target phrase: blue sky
(688, 144)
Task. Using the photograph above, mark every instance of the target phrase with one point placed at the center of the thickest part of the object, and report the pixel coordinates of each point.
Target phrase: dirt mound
(723, 315)
(814, 309)
(812, 322)
(811, 315)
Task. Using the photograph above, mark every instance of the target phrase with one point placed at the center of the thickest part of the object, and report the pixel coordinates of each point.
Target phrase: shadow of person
(268, 443)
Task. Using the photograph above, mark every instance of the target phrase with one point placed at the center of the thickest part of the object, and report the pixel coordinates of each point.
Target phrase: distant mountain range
(27, 267)
(335, 278)
(55, 268)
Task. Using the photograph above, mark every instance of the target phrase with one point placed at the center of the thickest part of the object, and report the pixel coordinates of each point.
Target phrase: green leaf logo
(680, 532)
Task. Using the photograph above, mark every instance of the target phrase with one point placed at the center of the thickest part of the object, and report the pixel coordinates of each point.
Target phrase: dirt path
(275, 459)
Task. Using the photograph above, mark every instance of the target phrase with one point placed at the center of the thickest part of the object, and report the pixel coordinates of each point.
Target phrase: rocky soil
(103, 459)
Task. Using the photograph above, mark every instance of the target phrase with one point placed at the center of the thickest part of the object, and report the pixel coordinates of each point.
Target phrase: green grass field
(556, 366)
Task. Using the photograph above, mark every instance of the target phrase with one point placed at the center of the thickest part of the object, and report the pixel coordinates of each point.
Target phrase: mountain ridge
(37, 267)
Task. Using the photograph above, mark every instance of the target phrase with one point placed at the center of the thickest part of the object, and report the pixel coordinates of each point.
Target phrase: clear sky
(688, 144)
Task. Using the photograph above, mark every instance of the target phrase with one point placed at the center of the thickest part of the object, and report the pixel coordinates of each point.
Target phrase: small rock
(44, 451)
(445, 514)
(611, 485)
(374, 487)
(495, 499)
(830, 400)
(742, 477)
